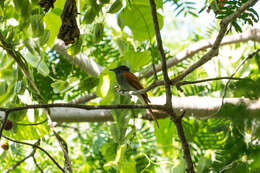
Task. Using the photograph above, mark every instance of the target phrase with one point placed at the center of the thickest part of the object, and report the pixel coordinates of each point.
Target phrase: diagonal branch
(37, 147)
(237, 68)
(24, 159)
(85, 63)
(19, 59)
(215, 47)
(252, 35)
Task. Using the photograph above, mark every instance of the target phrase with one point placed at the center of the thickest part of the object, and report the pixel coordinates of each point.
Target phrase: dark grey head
(121, 68)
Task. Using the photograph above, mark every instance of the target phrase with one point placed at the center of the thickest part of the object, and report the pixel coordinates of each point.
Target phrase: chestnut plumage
(128, 81)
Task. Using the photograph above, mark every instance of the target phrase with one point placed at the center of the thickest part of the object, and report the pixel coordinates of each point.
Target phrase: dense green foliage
(227, 143)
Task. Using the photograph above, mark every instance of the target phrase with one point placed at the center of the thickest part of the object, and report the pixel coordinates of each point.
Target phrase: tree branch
(85, 63)
(167, 83)
(215, 47)
(21, 161)
(37, 147)
(253, 35)
(199, 107)
(160, 83)
(37, 165)
(179, 84)
(237, 68)
(85, 107)
(162, 53)
(85, 98)
(19, 59)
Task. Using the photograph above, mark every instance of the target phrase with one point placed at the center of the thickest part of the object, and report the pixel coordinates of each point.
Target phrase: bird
(129, 82)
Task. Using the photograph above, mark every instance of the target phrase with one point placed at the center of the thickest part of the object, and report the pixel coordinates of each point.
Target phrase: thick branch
(85, 107)
(85, 63)
(199, 107)
(85, 98)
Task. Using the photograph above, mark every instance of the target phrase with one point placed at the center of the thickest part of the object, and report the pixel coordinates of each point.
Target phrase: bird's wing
(132, 79)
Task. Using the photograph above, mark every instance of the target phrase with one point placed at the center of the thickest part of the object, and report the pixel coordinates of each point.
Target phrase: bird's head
(121, 68)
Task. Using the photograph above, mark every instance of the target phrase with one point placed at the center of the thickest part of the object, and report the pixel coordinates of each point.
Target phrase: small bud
(5, 146)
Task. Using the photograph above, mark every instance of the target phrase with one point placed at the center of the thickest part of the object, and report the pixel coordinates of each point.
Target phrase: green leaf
(28, 132)
(103, 86)
(98, 32)
(60, 86)
(180, 167)
(29, 45)
(18, 87)
(139, 22)
(90, 15)
(88, 83)
(125, 166)
(75, 48)
(53, 23)
(3, 87)
(37, 63)
(37, 25)
(115, 7)
(203, 164)
(23, 6)
(44, 37)
(117, 133)
(237, 27)
(138, 59)
(108, 150)
(159, 3)
(6, 74)
(164, 135)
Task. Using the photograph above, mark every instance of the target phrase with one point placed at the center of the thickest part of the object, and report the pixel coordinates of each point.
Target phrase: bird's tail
(144, 98)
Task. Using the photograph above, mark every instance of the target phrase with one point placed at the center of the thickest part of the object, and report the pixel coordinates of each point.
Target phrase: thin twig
(32, 124)
(167, 83)
(20, 60)
(179, 84)
(37, 165)
(38, 147)
(235, 71)
(85, 107)
(205, 80)
(20, 162)
(231, 77)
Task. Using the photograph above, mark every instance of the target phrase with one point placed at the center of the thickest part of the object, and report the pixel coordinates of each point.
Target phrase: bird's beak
(112, 69)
